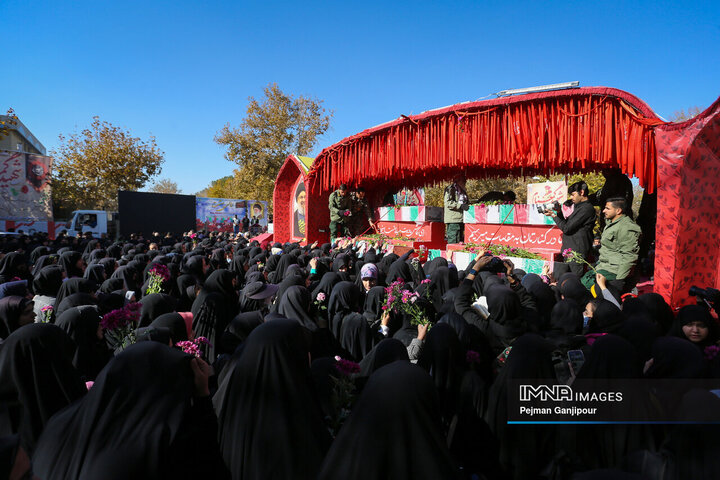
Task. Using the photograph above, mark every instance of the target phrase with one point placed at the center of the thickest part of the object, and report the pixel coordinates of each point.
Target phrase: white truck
(98, 222)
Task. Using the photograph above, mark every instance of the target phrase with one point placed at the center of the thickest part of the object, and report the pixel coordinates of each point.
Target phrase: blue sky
(180, 70)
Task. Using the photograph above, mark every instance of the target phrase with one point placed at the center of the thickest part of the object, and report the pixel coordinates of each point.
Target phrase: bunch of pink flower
(346, 367)
(120, 324)
(193, 348)
(393, 299)
(47, 312)
(159, 276)
(161, 271)
(401, 300)
(115, 319)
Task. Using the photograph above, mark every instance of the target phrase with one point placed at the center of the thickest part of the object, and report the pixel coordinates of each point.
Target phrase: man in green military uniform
(340, 212)
(619, 244)
(456, 202)
(360, 212)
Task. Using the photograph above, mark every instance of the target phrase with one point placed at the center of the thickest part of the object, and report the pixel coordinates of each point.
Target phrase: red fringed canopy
(561, 131)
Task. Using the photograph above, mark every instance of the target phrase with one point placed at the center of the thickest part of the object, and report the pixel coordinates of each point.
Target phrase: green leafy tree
(274, 127)
(165, 185)
(221, 188)
(91, 166)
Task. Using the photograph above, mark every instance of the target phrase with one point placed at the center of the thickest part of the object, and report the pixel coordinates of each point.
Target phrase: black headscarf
(37, 379)
(109, 266)
(607, 318)
(210, 318)
(566, 324)
(442, 281)
(45, 261)
(506, 314)
(153, 306)
(659, 311)
(355, 336)
(74, 300)
(675, 358)
(239, 329)
(154, 334)
(282, 266)
(74, 285)
(524, 449)
(486, 280)
(327, 282)
(342, 261)
(194, 267)
(372, 310)
(345, 298)
(374, 442)
(111, 285)
(387, 351)
(81, 325)
(571, 287)
(48, 281)
(13, 265)
(95, 273)
(432, 265)
(129, 277)
(295, 305)
(443, 358)
(641, 332)
(184, 301)
(68, 261)
(174, 322)
(37, 253)
(221, 281)
(258, 401)
(10, 310)
(612, 356)
(137, 421)
(695, 313)
(384, 266)
(544, 297)
(399, 269)
(288, 282)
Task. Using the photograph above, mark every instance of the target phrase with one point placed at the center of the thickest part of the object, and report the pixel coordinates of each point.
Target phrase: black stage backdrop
(155, 212)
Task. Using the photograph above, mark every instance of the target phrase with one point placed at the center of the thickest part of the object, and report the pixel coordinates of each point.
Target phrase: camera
(709, 294)
(496, 265)
(543, 207)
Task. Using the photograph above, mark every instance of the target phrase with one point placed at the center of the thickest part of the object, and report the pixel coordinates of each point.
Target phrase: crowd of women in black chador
(308, 376)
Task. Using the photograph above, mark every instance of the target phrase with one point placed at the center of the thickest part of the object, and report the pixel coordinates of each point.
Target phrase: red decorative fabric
(283, 198)
(565, 131)
(687, 247)
(562, 131)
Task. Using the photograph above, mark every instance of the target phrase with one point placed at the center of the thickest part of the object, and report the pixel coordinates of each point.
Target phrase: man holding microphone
(577, 228)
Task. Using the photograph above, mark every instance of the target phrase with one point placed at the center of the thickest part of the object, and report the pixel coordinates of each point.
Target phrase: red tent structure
(565, 131)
